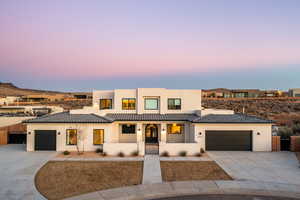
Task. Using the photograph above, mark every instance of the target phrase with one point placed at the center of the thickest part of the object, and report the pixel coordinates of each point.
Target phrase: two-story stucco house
(143, 119)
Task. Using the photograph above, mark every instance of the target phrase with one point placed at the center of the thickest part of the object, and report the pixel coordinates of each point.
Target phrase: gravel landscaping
(192, 170)
(58, 180)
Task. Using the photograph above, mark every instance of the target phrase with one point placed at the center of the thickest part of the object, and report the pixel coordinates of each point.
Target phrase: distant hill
(9, 89)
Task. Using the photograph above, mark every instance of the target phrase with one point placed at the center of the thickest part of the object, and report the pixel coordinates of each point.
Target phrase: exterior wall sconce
(258, 133)
(29, 133)
(200, 133)
(163, 129)
(139, 129)
(58, 133)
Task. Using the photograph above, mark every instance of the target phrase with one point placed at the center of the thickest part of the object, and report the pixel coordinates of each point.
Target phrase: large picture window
(98, 136)
(128, 104)
(128, 129)
(71, 137)
(151, 104)
(105, 104)
(175, 128)
(174, 104)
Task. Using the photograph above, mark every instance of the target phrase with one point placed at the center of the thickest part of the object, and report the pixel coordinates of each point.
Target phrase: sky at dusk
(84, 45)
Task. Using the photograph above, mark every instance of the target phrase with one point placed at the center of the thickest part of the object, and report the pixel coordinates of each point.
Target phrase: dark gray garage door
(45, 140)
(228, 140)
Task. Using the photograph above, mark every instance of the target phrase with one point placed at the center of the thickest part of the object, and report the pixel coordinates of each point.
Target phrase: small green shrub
(104, 154)
(296, 128)
(66, 153)
(165, 154)
(135, 153)
(285, 132)
(121, 154)
(198, 154)
(182, 153)
(202, 150)
(99, 150)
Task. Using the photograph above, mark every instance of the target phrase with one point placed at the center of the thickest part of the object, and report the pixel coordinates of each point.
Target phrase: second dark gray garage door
(45, 140)
(228, 140)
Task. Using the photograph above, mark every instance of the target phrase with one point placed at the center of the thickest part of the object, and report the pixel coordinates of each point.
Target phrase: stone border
(100, 159)
(185, 188)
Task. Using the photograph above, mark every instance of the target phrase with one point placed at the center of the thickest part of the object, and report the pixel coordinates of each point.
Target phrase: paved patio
(276, 167)
(18, 169)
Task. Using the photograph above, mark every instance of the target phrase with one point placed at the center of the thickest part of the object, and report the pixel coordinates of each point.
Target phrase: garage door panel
(45, 140)
(228, 140)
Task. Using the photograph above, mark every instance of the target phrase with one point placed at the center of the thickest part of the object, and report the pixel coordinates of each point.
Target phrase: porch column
(139, 132)
(163, 133)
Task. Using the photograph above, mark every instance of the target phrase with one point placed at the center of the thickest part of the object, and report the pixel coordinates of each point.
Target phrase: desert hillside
(9, 89)
(283, 110)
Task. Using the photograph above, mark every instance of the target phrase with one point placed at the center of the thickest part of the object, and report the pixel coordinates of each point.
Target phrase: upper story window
(175, 128)
(151, 104)
(128, 104)
(71, 137)
(174, 104)
(128, 129)
(105, 104)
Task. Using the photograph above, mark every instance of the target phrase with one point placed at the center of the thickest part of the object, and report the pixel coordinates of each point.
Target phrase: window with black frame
(128, 104)
(174, 104)
(128, 128)
(105, 104)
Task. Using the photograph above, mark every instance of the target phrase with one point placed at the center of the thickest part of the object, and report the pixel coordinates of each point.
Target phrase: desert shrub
(296, 128)
(99, 150)
(285, 132)
(104, 154)
(182, 153)
(202, 150)
(66, 153)
(135, 153)
(165, 154)
(198, 154)
(121, 154)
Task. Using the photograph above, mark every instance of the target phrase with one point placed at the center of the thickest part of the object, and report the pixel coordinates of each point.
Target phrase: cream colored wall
(175, 148)
(190, 100)
(7, 121)
(86, 129)
(262, 142)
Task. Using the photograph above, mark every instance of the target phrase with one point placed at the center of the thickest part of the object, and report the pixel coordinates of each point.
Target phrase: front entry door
(151, 133)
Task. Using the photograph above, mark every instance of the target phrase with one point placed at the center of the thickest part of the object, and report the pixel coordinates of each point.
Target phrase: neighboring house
(8, 100)
(294, 92)
(126, 120)
(246, 93)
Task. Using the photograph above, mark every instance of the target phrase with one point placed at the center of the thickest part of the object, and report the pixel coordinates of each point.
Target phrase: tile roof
(232, 118)
(151, 117)
(66, 117)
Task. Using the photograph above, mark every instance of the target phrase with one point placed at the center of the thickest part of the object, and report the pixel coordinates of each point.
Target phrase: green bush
(135, 153)
(198, 154)
(66, 153)
(182, 153)
(121, 154)
(99, 150)
(296, 128)
(202, 150)
(165, 154)
(285, 132)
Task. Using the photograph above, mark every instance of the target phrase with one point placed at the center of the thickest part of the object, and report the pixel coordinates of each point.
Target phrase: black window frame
(145, 99)
(126, 125)
(67, 135)
(111, 102)
(123, 108)
(170, 99)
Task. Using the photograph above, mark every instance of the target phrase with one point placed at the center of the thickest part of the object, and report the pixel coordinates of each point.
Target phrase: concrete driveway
(278, 167)
(17, 170)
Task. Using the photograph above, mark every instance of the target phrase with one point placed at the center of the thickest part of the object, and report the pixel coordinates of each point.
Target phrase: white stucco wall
(175, 148)
(262, 142)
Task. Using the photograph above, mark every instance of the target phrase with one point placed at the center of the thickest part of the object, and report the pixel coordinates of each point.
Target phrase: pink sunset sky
(91, 44)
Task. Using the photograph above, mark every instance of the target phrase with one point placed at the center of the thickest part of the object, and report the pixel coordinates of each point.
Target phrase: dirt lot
(58, 180)
(190, 170)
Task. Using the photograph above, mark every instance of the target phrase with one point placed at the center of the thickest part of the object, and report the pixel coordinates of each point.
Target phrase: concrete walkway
(169, 189)
(17, 171)
(277, 167)
(152, 172)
